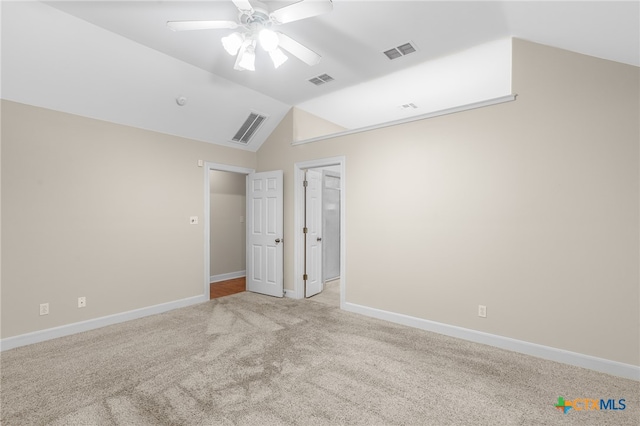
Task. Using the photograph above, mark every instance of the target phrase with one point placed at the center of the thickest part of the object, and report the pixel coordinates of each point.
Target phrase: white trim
(290, 294)
(207, 215)
(602, 365)
(475, 105)
(227, 276)
(298, 220)
(298, 239)
(79, 327)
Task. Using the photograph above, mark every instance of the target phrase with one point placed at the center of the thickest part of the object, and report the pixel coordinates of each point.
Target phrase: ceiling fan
(255, 25)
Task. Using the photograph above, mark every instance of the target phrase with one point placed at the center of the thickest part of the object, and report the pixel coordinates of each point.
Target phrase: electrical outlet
(193, 220)
(44, 309)
(482, 311)
(82, 302)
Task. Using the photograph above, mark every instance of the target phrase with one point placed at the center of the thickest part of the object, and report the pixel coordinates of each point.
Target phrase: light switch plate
(193, 220)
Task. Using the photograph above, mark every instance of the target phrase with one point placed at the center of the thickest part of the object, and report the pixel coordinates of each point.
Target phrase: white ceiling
(353, 36)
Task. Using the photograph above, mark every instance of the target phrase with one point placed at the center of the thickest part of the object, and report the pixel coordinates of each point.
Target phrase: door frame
(208, 166)
(298, 223)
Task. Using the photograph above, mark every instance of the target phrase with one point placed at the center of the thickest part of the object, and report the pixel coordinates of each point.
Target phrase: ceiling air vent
(408, 106)
(399, 51)
(249, 128)
(321, 79)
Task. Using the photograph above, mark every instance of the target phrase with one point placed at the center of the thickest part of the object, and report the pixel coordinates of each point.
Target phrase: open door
(265, 233)
(313, 234)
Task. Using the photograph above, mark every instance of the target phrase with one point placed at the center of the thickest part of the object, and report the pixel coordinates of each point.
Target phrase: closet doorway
(321, 228)
(319, 215)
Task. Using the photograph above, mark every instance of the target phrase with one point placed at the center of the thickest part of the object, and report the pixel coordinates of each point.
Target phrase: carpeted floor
(330, 295)
(248, 359)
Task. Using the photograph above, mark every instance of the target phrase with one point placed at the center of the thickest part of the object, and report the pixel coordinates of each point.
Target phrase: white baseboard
(78, 327)
(602, 365)
(228, 276)
(291, 294)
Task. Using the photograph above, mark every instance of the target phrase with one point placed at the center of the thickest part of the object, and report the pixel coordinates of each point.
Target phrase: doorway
(263, 226)
(329, 172)
(225, 258)
(227, 233)
(322, 229)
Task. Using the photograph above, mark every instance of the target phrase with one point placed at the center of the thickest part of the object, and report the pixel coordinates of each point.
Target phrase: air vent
(321, 79)
(249, 128)
(408, 106)
(399, 51)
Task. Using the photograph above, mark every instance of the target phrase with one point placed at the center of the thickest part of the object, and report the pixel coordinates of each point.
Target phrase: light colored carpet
(330, 295)
(248, 359)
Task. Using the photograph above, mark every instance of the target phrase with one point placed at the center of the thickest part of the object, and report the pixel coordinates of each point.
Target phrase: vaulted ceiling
(351, 40)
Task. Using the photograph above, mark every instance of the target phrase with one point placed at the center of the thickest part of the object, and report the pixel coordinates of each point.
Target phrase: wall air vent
(321, 79)
(249, 128)
(399, 51)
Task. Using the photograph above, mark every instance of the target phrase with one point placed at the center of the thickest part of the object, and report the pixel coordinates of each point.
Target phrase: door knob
(318, 239)
(278, 240)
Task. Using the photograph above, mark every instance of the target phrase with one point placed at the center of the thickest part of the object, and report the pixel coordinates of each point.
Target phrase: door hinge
(305, 230)
(305, 183)
(305, 277)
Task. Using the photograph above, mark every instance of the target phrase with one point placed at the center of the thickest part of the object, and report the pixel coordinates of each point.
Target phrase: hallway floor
(228, 287)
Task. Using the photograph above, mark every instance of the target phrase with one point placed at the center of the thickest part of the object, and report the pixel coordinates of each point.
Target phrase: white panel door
(313, 223)
(265, 233)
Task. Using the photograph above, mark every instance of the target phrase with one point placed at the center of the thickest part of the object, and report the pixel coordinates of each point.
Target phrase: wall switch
(44, 309)
(482, 311)
(82, 302)
(200, 163)
(193, 220)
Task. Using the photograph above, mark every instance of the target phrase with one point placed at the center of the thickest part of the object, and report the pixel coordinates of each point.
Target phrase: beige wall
(528, 207)
(309, 126)
(95, 209)
(227, 224)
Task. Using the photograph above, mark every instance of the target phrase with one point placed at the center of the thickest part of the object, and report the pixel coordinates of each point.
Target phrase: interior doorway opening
(319, 246)
(321, 228)
(224, 224)
(227, 229)
(227, 233)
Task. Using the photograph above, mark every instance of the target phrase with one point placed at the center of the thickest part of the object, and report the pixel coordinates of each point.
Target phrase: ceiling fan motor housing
(257, 17)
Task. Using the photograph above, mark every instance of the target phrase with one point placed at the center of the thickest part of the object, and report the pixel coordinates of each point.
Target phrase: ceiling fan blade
(303, 53)
(201, 25)
(243, 5)
(302, 10)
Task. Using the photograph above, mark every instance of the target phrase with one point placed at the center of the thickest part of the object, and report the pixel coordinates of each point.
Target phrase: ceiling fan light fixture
(268, 39)
(246, 60)
(232, 43)
(255, 25)
(278, 57)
